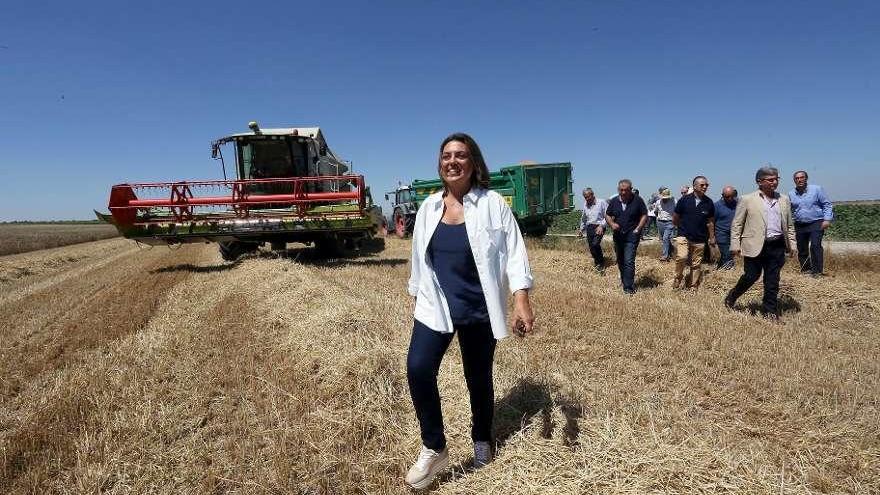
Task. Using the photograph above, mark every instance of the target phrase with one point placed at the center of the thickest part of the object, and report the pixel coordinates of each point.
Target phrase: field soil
(170, 371)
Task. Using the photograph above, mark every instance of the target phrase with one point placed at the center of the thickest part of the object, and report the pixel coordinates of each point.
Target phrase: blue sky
(98, 93)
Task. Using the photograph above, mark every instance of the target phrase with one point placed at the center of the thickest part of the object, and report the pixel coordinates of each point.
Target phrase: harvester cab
(280, 153)
(288, 187)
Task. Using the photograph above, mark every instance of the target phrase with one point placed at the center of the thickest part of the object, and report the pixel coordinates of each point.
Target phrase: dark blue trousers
(594, 243)
(426, 349)
(725, 261)
(809, 246)
(625, 246)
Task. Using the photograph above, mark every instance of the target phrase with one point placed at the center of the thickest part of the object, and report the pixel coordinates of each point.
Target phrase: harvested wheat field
(24, 237)
(159, 371)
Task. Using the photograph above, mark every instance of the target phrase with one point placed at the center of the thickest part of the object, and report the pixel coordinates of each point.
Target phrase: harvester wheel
(328, 247)
(232, 250)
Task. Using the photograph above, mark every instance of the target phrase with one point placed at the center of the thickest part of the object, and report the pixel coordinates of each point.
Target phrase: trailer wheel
(232, 250)
(537, 231)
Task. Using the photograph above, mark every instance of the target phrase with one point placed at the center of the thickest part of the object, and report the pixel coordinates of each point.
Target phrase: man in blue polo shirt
(724, 211)
(812, 212)
(695, 218)
(626, 215)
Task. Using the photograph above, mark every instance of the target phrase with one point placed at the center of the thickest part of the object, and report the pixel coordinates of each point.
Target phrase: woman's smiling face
(456, 168)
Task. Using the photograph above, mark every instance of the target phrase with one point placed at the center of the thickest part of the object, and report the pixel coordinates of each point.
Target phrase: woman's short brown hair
(480, 177)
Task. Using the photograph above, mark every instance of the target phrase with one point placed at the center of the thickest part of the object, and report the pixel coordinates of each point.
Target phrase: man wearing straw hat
(664, 207)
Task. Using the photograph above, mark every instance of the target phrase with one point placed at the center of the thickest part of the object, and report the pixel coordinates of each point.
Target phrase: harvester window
(300, 158)
(264, 158)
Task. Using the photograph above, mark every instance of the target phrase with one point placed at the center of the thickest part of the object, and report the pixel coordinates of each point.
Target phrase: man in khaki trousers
(762, 229)
(694, 216)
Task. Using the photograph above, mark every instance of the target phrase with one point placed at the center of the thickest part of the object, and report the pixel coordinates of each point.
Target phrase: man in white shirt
(593, 225)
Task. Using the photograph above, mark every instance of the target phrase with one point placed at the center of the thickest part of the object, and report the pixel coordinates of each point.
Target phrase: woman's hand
(523, 319)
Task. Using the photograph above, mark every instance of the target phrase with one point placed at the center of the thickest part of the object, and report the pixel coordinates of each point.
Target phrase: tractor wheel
(403, 224)
(232, 250)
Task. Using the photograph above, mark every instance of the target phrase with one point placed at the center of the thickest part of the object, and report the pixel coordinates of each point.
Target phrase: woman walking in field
(467, 252)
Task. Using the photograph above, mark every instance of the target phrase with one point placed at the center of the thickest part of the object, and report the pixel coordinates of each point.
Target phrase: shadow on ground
(189, 267)
(649, 280)
(786, 304)
(529, 401)
(363, 255)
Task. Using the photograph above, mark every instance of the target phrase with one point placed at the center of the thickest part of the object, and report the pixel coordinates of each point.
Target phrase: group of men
(758, 226)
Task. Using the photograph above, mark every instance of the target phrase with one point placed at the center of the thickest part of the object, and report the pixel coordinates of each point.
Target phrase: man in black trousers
(761, 230)
(593, 226)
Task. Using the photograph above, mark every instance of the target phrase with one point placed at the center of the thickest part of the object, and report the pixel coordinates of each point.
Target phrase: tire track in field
(223, 347)
(27, 273)
(83, 310)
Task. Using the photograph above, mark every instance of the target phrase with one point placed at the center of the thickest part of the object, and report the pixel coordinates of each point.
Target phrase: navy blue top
(723, 220)
(693, 217)
(628, 218)
(453, 261)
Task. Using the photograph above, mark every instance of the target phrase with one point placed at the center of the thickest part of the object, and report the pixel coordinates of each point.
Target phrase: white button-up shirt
(499, 254)
(594, 215)
(774, 217)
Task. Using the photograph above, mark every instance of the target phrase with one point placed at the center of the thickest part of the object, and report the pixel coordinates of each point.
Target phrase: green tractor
(403, 210)
(535, 192)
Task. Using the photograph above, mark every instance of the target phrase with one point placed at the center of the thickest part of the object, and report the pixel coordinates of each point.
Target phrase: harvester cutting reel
(330, 212)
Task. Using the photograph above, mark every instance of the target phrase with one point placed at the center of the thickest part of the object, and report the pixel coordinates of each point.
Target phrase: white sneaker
(426, 467)
(482, 454)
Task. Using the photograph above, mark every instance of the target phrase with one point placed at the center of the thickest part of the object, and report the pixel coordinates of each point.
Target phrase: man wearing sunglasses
(761, 230)
(695, 219)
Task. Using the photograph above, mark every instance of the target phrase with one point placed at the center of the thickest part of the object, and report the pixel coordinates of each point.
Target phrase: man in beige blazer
(762, 229)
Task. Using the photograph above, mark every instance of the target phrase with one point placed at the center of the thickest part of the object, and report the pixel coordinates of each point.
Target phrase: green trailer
(536, 192)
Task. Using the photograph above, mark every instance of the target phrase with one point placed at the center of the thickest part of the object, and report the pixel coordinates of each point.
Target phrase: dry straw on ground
(128, 371)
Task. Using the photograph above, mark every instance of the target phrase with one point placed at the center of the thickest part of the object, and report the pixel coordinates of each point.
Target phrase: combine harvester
(290, 188)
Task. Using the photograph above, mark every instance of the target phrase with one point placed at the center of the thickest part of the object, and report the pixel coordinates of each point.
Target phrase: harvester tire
(328, 247)
(232, 250)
